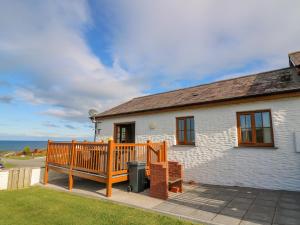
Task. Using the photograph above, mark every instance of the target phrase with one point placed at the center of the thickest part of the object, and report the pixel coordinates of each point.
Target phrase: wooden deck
(102, 162)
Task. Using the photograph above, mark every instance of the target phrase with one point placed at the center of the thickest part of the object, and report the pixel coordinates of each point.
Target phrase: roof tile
(252, 85)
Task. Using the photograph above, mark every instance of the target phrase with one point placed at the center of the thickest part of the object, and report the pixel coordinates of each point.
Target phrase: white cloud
(45, 40)
(190, 39)
(157, 41)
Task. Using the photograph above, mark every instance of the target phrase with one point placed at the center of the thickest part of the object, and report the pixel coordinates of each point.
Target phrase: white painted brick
(3, 179)
(214, 159)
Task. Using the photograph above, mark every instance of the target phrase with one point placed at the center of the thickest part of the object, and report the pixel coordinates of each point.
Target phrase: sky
(60, 58)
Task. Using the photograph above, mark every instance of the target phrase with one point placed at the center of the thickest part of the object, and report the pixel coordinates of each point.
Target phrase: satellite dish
(92, 112)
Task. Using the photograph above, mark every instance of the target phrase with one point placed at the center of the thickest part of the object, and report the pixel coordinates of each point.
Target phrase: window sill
(184, 145)
(256, 147)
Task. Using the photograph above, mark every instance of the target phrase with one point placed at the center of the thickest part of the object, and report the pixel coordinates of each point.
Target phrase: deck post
(165, 151)
(148, 154)
(46, 164)
(110, 149)
(71, 178)
(159, 154)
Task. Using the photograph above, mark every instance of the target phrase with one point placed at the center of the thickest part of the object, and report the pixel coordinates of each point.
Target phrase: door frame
(120, 124)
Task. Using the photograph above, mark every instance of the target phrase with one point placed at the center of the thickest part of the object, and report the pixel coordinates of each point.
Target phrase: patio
(235, 205)
(205, 203)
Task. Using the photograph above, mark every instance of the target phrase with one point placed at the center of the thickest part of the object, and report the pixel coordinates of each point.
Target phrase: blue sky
(59, 58)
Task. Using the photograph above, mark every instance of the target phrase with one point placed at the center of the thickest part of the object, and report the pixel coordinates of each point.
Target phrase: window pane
(267, 135)
(259, 135)
(192, 123)
(258, 120)
(245, 121)
(181, 136)
(118, 134)
(246, 135)
(190, 130)
(242, 121)
(188, 123)
(248, 121)
(123, 134)
(181, 124)
(188, 136)
(266, 119)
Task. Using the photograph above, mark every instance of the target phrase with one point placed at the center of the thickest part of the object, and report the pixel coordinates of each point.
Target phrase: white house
(239, 132)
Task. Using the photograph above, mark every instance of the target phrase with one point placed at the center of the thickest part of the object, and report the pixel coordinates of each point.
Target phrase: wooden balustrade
(98, 161)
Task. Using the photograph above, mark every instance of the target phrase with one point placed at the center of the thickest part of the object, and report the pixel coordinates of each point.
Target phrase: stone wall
(215, 158)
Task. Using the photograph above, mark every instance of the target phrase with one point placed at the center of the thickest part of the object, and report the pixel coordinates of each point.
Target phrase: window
(255, 128)
(185, 131)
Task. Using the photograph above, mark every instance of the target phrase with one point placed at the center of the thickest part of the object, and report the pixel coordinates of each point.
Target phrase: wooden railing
(59, 153)
(90, 157)
(97, 158)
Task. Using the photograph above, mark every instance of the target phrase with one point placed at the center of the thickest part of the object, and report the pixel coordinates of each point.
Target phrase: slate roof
(295, 58)
(266, 83)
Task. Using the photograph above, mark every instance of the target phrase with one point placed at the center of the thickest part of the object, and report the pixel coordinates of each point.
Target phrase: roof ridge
(214, 82)
(291, 53)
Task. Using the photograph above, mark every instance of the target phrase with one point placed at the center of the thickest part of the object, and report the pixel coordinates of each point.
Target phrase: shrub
(27, 151)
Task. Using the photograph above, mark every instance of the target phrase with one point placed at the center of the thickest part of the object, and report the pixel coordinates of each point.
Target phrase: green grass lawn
(38, 206)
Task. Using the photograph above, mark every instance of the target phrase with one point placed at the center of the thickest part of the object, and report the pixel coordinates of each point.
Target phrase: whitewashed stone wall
(215, 158)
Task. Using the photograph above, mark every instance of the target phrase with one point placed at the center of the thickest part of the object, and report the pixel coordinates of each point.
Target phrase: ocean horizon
(20, 145)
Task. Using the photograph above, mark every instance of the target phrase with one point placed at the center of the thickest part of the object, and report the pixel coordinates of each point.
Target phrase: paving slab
(224, 197)
(292, 206)
(259, 216)
(267, 203)
(234, 212)
(286, 220)
(226, 220)
(243, 200)
(262, 209)
(247, 195)
(202, 215)
(166, 206)
(288, 213)
(254, 222)
(183, 210)
(289, 200)
(270, 196)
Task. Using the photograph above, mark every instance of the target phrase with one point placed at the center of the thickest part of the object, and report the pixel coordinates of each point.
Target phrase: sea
(19, 145)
